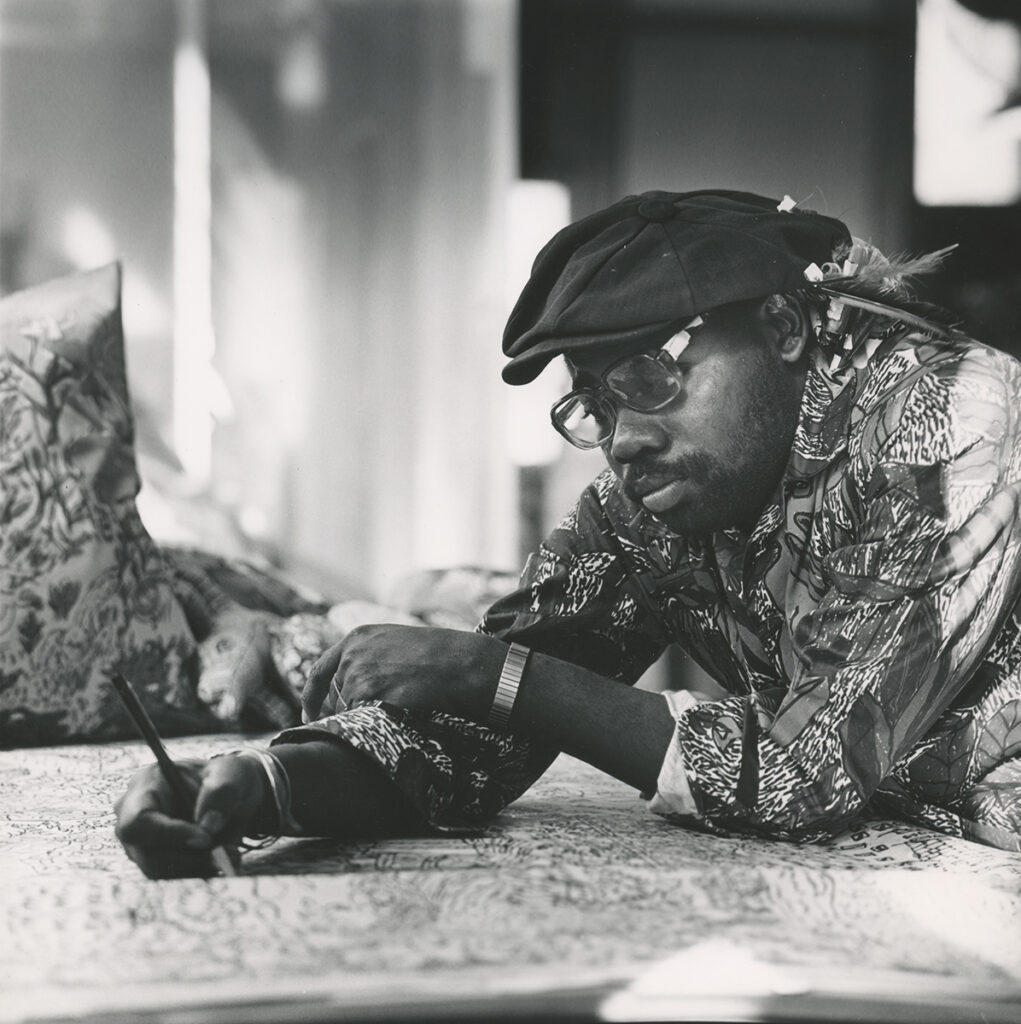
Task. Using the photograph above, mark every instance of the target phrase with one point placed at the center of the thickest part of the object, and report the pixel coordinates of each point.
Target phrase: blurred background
(325, 209)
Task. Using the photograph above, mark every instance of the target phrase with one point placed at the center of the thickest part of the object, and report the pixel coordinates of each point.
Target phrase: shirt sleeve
(577, 600)
(673, 796)
(915, 595)
(574, 602)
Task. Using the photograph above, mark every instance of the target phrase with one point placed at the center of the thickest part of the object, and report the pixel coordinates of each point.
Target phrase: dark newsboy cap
(629, 273)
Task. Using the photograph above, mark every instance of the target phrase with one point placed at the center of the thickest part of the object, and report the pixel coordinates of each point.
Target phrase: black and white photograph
(510, 510)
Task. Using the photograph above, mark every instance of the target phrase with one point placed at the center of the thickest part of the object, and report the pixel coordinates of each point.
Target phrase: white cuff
(673, 795)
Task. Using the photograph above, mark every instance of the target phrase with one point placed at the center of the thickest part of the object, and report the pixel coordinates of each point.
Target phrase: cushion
(236, 611)
(454, 598)
(239, 679)
(84, 591)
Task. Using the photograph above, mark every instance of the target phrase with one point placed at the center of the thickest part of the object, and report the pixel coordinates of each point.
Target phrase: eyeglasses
(587, 417)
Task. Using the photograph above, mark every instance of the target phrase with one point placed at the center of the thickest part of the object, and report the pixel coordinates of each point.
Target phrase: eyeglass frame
(604, 395)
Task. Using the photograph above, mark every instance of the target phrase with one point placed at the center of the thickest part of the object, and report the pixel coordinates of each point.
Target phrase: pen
(171, 773)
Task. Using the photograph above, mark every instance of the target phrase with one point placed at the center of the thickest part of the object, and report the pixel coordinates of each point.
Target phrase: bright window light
(85, 239)
(193, 328)
(967, 69)
(537, 210)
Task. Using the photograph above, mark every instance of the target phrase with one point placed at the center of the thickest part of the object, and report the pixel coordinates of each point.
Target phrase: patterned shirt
(867, 632)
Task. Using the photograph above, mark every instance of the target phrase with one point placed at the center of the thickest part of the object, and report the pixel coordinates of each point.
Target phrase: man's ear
(791, 325)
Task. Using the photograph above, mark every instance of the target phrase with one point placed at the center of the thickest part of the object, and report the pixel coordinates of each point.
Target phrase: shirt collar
(826, 406)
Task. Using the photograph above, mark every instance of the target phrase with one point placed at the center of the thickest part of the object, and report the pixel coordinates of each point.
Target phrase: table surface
(576, 903)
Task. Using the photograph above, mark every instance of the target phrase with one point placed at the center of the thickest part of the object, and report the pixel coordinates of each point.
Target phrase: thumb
(319, 679)
(230, 796)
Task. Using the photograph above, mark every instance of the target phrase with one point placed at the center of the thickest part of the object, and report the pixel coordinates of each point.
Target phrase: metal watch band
(507, 688)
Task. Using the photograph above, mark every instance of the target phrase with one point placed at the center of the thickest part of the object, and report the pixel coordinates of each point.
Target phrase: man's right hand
(231, 801)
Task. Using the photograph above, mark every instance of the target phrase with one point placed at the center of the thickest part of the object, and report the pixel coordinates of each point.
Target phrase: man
(812, 486)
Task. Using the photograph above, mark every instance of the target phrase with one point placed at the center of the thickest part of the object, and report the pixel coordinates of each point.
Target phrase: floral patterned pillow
(84, 591)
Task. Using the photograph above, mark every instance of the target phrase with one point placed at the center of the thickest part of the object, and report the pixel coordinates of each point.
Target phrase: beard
(731, 486)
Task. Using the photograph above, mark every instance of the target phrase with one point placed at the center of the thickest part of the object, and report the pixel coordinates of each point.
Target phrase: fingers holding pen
(168, 841)
(232, 800)
(152, 831)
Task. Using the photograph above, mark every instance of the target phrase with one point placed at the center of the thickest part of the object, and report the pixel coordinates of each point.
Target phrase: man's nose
(634, 433)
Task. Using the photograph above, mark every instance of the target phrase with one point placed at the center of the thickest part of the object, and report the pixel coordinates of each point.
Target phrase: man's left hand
(419, 667)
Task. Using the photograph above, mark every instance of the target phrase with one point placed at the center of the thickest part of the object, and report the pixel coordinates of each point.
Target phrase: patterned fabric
(216, 580)
(868, 632)
(83, 589)
(246, 621)
(299, 641)
(572, 888)
(457, 773)
(453, 598)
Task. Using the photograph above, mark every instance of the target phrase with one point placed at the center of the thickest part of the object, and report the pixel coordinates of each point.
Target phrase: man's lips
(663, 498)
(657, 494)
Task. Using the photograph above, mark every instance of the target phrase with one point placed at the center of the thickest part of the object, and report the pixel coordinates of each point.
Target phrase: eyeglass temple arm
(680, 341)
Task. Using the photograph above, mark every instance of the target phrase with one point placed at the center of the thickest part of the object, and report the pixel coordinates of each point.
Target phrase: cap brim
(525, 367)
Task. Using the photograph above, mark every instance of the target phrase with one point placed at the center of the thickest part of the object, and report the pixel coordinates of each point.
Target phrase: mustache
(641, 477)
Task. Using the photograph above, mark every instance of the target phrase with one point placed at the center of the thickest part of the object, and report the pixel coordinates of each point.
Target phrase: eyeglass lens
(586, 419)
(644, 383)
